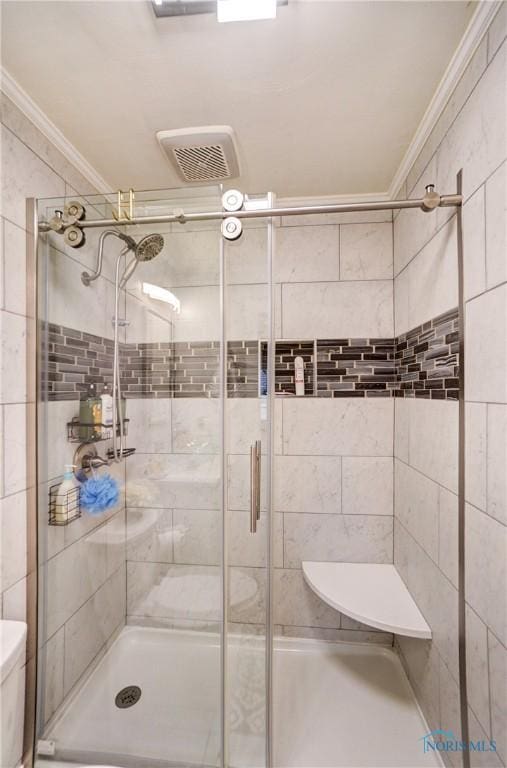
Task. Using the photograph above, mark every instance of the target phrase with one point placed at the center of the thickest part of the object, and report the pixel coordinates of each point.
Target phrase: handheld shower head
(145, 250)
(149, 247)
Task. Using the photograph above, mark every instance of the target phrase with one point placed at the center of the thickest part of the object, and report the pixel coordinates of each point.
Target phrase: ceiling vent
(201, 155)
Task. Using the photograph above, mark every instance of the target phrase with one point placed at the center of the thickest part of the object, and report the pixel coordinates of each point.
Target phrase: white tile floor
(335, 705)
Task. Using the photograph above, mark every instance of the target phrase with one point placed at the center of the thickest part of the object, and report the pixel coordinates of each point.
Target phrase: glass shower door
(248, 332)
(131, 598)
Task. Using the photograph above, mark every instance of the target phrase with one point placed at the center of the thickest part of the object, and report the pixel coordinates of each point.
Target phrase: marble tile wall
(173, 481)
(470, 134)
(31, 167)
(86, 604)
(83, 565)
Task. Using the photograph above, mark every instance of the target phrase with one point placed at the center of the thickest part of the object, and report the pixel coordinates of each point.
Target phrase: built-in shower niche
(286, 352)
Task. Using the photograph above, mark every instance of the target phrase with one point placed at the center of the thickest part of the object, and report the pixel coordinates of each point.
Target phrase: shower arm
(86, 278)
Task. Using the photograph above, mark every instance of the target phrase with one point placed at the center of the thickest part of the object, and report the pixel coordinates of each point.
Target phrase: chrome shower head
(145, 250)
(149, 247)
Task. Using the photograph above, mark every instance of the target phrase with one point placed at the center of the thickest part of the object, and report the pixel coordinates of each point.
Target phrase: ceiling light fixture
(162, 294)
(226, 10)
(246, 10)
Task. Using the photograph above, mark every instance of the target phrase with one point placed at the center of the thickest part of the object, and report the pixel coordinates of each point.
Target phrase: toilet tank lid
(12, 646)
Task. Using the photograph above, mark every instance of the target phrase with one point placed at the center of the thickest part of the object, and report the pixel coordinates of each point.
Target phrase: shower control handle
(255, 485)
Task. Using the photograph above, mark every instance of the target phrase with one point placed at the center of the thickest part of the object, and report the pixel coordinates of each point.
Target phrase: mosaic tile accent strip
(195, 369)
(146, 369)
(427, 359)
(424, 362)
(75, 359)
(243, 368)
(356, 367)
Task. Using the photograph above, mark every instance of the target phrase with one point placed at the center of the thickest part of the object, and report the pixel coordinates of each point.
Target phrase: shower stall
(178, 628)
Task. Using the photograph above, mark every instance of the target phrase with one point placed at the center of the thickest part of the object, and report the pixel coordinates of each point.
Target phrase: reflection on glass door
(130, 660)
(248, 448)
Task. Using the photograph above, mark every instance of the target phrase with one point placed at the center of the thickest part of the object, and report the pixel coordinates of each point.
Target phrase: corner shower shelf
(82, 432)
(370, 593)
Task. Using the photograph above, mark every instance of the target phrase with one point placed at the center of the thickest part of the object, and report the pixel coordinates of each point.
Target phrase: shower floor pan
(337, 705)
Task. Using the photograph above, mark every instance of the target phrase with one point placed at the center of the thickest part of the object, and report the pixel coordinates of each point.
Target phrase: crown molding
(474, 33)
(34, 113)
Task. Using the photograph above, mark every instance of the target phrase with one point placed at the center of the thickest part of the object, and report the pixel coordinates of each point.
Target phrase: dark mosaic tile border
(424, 362)
(427, 359)
(356, 367)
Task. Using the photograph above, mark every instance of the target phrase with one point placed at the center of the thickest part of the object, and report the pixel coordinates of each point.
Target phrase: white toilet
(12, 691)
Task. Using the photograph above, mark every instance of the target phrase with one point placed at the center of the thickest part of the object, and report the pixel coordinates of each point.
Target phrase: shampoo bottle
(107, 411)
(90, 415)
(299, 376)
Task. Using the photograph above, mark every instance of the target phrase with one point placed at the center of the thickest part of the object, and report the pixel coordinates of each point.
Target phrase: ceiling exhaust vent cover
(201, 155)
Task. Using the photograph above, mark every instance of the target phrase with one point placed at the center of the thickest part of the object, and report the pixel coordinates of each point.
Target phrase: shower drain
(128, 696)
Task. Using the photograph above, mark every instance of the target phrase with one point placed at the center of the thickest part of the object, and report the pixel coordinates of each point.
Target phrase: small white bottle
(299, 376)
(66, 502)
(107, 411)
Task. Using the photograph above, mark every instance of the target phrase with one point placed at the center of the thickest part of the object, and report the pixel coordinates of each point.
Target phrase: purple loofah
(99, 493)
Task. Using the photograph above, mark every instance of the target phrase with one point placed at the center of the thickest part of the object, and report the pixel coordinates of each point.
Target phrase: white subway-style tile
(338, 427)
(306, 254)
(486, 347)
(296, 604)
(423, 662)
(184, 481)
(433, 440)
(89, 629)
(477, 667)
(150, 425)
(14, 272)
(485, 574)
(246, 259)
(496, 228)
(24, 175)
(448, 535)
(337, 538)
(195, 425)
(498, 691)
(307, 484)
(197, 536)
(367, 485)
(476, 140)
(351, 309)
(416, 506)
(474, 235)
(401, 428)
(54, 651)
(433, 277)
(13, 547)
(245, 549)
(476, 458)
(150, 535)
(366, 251)
(497, 462)
(13, 381)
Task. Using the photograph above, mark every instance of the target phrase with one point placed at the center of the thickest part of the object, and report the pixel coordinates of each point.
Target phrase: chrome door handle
(258, 477)
(255, 485)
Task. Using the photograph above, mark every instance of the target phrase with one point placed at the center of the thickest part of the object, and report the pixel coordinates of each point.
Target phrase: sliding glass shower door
(248, 411)
(154, 634)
